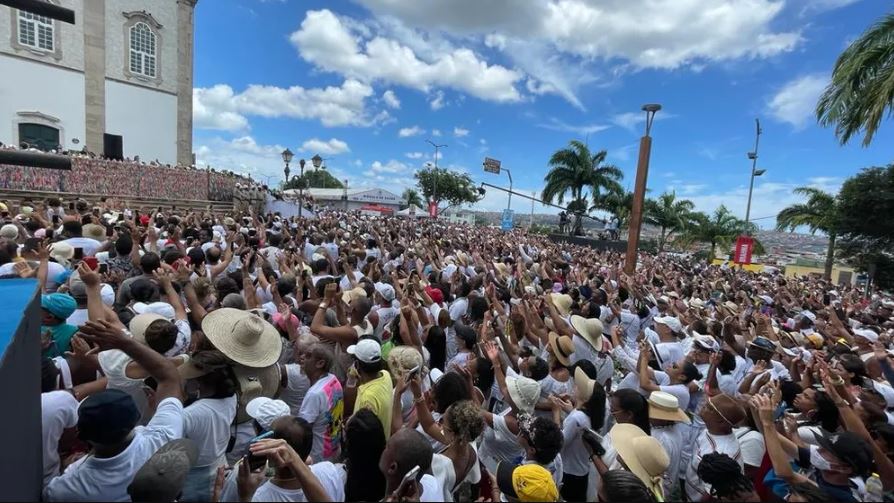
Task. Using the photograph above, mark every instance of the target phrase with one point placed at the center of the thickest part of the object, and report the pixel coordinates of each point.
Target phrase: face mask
(817, 460)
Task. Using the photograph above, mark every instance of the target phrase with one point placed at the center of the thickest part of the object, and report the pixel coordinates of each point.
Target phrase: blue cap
(107, 417)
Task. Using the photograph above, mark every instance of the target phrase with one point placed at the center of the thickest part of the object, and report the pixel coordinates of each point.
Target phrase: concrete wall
(69, 39)
(797, 270)
(56, 92)
(149, 132)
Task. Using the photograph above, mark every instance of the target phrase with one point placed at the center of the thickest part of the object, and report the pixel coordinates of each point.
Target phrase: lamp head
(752, 155)
(759, 172)
(316, 160)
(287, 156)
(651, 107)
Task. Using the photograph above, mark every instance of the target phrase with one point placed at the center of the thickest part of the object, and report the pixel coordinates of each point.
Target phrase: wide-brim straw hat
(583, 383)
(642, 454)
(562, 348)
(562, 302)
(94, 231)
(665, 407)
(243, 337)
(590, 329)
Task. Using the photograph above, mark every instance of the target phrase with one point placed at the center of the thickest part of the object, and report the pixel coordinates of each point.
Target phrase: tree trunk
(661, 240)
(713, 246)
(830, 257)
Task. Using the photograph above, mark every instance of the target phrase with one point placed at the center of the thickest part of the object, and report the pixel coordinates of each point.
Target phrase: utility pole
(639, 191)
(435, 177)
(754, 171)
(533, 195)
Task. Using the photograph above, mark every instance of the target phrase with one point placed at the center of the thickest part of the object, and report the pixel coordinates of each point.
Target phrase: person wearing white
(719, 413)
(325, 472)
(207, 423)
(58, 412)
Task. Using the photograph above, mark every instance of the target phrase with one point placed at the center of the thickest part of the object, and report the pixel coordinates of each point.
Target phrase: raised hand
(104, 335)
(88, 276)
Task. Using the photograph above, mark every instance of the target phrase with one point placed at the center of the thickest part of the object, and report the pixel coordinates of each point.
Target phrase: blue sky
(365, 83)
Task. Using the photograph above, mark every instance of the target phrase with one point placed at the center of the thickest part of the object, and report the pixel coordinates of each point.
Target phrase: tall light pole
(639, 191)
(287, 158)
(346, 195)
(754, 172)
(435, 177)
(301, 190)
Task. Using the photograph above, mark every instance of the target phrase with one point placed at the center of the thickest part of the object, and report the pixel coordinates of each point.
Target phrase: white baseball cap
(266, 410)
(670, 322)
(706, 342)
(367, 351)
(386, 291)
(867, 334)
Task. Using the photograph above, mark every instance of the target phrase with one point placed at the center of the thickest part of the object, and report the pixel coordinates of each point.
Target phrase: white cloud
(392, 167)
(390, 99)
(437, 102)
(339, 46)
(333, 146)
(242, 155)
(768, 200)
(646, 33)
(410, 131)
(436, 132)
(582, 130)
(796, 101)
(219, 107)
(460, 132)
(630, 120)
(414, 155)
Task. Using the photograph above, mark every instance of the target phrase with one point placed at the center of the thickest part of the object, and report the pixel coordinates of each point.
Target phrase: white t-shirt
(207, 423)
(575, 458)
(707, 443)
(345, 283)
(106, 479)
(58, 411)
(322, 407)
(78, 317)
(456, 310)
(671, 438)
(54, 270)
(328, 475)
(296, 388)
(751, 442)
(431, 489)
(499, 443)
(88, 245)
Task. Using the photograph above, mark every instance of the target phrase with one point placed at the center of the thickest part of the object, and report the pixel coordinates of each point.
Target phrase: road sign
(492, 165)
(506, 221)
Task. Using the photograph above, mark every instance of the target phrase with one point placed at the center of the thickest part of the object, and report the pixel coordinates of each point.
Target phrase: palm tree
(669, 214)
(719, 229)
(818, 213)
(575, 169)
(618, 204)
(862, 86)
(411, 197)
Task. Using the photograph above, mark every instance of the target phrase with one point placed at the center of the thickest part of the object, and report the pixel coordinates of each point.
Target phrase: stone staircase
(17, 196)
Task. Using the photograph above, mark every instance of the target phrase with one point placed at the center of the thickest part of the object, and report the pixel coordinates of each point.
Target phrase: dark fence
(599, 244)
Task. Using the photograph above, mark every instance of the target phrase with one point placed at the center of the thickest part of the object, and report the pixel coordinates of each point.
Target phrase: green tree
(618, 204)
(411, 197)
(865, 231)
(455, 188)
(574, 170)
(818, 213)
(669, 214)
(719, 229)
(862, 87)
(319, 178)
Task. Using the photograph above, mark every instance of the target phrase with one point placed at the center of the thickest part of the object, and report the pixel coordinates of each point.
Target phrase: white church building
(118, 81)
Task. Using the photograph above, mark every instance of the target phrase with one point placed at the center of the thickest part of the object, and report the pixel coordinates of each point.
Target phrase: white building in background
(121, 75)
(356, 198)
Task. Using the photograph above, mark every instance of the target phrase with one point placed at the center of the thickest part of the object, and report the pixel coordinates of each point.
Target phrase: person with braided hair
(724, 475)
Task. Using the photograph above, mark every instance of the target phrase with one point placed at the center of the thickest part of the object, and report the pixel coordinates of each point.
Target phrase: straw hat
(95, 231)
(243, 337)
(696, 303)
(562, 347)
(501, 268)
(61, 252)
(590, 329)
(666, 407)
(562, 302)
(352, 295)
(732, 307)
(583, 382)
(140, 323)
(643, 455)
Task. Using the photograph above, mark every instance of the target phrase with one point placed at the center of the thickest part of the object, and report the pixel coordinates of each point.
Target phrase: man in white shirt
(405, 450)
(720, 414)
(74, 230)
(107, 421)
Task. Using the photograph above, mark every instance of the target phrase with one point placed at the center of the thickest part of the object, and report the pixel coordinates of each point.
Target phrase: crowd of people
(91, 174)
(249, 357)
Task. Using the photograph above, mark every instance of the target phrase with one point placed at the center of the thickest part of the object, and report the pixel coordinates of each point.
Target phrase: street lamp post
(754, 172)
(639, 191)
(435, 177)
(287, 158)
(301, 190)
(346, 195)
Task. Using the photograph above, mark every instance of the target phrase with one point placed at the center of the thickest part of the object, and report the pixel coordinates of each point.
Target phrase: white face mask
(817, 460)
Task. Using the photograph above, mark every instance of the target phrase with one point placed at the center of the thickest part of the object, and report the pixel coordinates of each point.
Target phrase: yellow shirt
(376, 396)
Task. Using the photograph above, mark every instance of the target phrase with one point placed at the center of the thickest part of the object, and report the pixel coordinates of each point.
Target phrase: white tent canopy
(413, 211)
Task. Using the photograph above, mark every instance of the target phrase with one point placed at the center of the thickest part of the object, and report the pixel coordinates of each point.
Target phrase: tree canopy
(319, 178)
(452, 187)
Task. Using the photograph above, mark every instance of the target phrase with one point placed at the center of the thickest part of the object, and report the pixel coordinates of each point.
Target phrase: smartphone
(71, 206)
(495, 405)
(91, 262)
(78, 254)
(110, 231)
(103, 268)
(413, 372)
(406, 482)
